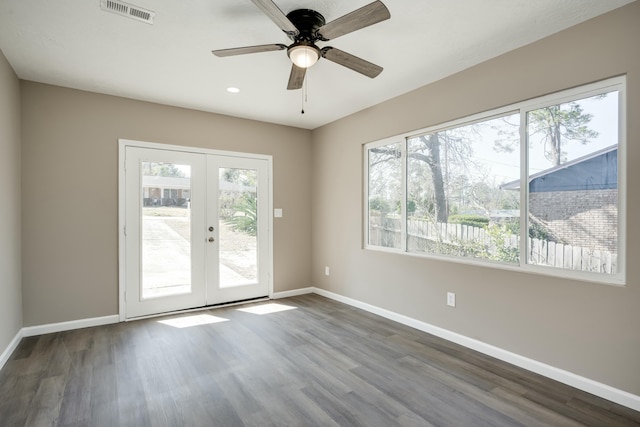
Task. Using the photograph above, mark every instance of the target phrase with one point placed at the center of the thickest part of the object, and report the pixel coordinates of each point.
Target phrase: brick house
(576, 202)
(165, 190)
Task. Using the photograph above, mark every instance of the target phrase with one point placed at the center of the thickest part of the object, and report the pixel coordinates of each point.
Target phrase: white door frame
(122, 144)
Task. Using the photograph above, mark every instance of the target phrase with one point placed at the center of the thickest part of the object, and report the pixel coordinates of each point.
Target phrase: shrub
(411, 206)
(469, 219)
(245, 218)
(378, 204)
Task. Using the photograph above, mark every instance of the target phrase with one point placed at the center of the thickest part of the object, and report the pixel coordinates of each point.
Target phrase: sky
(505, 166)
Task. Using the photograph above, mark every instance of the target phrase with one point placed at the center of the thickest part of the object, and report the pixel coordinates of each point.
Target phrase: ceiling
(73, 43)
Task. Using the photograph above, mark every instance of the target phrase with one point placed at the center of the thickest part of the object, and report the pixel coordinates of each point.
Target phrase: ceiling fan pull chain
(304, 93)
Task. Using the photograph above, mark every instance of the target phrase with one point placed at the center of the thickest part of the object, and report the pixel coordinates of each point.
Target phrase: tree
(384, 178)
(430, 155)
(161, 169)
(428, 152)
(558, 126)
(448, 157)
(487, 197)
(443, 154)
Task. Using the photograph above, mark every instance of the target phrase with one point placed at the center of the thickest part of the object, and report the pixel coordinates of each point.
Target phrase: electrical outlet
(326, 271)
(451, 299)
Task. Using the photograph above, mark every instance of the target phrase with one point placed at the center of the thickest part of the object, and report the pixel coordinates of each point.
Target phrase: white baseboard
(585, 384)
(292, 293)
(582, 383)
(30, 331)
(6, 354)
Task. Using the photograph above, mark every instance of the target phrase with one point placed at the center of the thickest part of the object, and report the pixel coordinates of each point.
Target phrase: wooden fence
(570, 257)
(386, 231)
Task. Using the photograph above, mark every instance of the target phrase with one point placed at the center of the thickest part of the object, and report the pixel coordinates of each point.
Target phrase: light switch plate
(451, 299)
(277, 213)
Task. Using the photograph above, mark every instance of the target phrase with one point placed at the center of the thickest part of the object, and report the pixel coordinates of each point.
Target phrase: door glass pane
(238, 226)
(166, 229)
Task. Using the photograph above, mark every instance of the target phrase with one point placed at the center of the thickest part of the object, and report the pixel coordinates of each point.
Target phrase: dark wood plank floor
(322, 363)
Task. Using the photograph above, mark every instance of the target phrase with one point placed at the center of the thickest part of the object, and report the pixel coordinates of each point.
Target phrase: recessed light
(233, 90)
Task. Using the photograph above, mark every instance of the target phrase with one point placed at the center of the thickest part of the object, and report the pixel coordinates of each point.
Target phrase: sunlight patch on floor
(195, 320)
(267, 308)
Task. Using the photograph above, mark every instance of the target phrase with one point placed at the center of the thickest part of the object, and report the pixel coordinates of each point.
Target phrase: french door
(196, 229)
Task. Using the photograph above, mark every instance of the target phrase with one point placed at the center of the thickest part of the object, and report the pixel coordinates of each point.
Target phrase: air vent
(128, 10)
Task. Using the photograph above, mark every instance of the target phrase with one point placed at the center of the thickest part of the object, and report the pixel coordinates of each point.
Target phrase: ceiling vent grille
(128, 10)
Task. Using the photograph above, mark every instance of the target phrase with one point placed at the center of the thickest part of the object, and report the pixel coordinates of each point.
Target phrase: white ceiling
(73, 43)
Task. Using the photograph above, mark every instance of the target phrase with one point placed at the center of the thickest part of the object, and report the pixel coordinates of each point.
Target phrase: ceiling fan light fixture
(305, 27)
(303, 55)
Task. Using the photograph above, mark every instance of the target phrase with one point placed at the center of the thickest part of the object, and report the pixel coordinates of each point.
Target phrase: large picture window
(536, 186)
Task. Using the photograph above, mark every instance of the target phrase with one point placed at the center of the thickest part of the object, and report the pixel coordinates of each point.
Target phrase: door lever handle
(211, 239)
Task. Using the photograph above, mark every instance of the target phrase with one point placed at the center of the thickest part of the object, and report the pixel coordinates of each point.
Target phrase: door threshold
(205, 307)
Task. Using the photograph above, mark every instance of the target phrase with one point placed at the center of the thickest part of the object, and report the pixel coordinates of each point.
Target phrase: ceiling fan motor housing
(303, 52)
(307, 22)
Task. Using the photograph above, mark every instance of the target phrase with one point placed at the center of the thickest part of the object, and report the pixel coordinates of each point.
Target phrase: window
(534, 186)
(455, 203)
(573, 184)
(385, 195)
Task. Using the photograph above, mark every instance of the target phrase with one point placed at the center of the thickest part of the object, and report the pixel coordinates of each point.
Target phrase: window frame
(523, 108)
(403, 185)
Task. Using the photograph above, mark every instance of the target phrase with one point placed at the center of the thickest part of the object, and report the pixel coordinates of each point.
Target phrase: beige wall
(70, 198)
(590, 329)
(10, 257)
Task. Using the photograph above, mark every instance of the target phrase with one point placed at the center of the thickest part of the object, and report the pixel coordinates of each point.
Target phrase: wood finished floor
(322, 363)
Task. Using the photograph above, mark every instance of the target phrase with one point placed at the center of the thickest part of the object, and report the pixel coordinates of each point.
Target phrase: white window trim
(576, 93)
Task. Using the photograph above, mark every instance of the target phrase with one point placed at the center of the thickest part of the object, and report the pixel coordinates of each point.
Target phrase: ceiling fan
(305, 27)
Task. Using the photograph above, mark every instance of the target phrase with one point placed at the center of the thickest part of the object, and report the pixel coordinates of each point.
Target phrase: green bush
(500, 235)
(411, 206)
(512, 226)
(380, 205)
(539, 231)
(469, 219)
(245, 218)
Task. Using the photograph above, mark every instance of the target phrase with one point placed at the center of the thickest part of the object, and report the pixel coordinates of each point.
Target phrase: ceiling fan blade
(296, 78)
(360, 18)
(350, 61)
(274, 13)
(248, 49)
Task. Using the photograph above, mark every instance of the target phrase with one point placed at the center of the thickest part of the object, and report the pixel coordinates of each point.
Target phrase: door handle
(211, 239)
